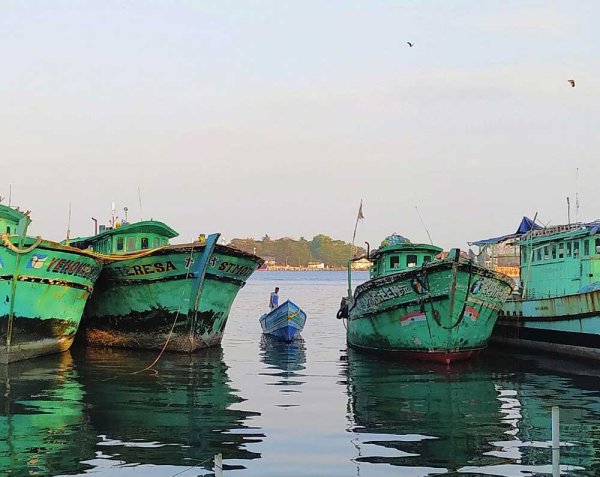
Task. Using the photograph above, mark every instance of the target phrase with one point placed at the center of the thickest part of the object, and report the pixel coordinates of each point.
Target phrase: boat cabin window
(568, 249)
(120, 243)
(394, 261)
(8, 230)
(586, 247)
(597, 246)
(411, 261)
(156, 242)
(427, 259)
(576, 249)
(145, 243)
(553, 248)
(130, 244)
(539, 254)
(546, 252)
(561, 247)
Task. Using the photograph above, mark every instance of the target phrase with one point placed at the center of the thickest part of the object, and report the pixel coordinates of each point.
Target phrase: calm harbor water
(311, 408)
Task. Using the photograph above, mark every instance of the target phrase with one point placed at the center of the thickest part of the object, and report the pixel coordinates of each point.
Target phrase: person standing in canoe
(274, 299)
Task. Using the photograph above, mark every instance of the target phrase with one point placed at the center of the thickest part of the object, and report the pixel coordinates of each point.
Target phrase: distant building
(362, 264)
(316, 265)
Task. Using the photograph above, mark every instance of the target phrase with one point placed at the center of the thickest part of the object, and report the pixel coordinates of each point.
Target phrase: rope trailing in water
(8, 244)
(151, 365)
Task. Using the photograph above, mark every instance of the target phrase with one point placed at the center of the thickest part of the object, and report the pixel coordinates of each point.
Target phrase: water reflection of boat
(285, 360)
(529, 386)
(43, 430)
(180, 414)
(425, 417)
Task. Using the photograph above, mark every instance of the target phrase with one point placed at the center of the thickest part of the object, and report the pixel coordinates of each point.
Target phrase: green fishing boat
(153, 295)
(44, 287)
(557, 306)
(423, 303)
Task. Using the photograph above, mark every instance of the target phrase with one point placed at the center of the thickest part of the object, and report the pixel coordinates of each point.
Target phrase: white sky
(277, 117)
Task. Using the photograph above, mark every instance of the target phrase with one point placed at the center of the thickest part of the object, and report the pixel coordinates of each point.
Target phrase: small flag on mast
(360, 212)
(359, 217)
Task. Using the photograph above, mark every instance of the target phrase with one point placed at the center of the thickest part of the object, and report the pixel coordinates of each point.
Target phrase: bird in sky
(572, 83)
(410, 44)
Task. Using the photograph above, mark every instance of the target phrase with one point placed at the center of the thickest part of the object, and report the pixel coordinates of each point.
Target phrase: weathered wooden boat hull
(569, 324)
(443, 311)
(43, 292)
(284, 322)
(160, 300)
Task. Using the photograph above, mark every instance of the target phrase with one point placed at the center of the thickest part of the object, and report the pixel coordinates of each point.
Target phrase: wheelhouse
(10, 218)
(560, 260)
(127, 238)
(397, 254)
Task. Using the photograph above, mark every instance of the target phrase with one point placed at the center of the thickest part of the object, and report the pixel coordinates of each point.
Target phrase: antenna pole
(568, 211)
(140, 200)
(9, 194)
(423, 224)
(69, 225)
(577, 196)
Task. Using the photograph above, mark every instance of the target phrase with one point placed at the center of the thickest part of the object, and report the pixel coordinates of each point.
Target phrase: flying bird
(572, 83)
(410, 44)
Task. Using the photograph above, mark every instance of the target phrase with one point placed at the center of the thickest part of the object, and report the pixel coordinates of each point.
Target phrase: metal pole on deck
(555, 442)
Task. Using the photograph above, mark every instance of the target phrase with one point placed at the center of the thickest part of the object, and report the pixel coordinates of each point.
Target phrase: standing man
(274, 299)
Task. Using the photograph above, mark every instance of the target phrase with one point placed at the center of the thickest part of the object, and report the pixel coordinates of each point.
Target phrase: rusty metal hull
(568, 324)
(160, 301)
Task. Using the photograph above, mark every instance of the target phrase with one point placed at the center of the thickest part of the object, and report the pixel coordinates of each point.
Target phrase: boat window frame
(131, 240)
(539, 255)
(394, 262)
(427, 259)
(597, 245)
(409, 260)
(575, 248)
(561, 250)
(147, 241)
(120, 244)
(586, 247)
(156, 242)
(546, 252)
(568, 248)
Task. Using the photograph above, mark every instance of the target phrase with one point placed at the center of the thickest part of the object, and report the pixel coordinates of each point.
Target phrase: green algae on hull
(438, 309)
(43, 290)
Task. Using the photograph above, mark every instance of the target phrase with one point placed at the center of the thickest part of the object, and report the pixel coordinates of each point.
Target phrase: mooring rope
(8, 244)
(187, 274)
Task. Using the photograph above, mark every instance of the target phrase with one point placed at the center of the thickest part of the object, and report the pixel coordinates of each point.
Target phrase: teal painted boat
(44, 287)
(557, 306)
(152, 295)
(424, 304)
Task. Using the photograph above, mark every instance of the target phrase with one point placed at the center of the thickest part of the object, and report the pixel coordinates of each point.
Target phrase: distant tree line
(297, 253)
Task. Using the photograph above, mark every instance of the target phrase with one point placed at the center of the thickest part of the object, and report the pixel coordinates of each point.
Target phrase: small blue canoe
(285, 321)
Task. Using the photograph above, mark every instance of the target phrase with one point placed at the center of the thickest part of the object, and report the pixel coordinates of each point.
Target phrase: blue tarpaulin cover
(525, 226)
